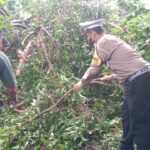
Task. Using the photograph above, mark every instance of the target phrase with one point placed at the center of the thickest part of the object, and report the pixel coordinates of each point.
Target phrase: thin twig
(19, 104)
(48, 109)
(27, 37)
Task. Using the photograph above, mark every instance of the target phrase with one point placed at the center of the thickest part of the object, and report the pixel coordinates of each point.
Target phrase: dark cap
(87, 26)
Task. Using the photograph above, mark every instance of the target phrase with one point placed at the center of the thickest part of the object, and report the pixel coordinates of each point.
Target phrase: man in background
(7, 75)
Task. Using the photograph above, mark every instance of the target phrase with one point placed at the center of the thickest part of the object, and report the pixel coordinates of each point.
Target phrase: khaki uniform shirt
(119, 57)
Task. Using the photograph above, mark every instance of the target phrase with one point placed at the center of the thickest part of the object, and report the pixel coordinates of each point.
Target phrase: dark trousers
(136, 114)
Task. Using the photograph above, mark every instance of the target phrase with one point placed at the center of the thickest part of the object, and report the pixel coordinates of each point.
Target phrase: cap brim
(86, 24)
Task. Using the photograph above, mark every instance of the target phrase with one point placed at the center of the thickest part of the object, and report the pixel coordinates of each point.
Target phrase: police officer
(133, 73)
(7, 75)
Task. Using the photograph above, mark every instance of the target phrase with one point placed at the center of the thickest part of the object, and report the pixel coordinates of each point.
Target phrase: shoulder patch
(96, 61)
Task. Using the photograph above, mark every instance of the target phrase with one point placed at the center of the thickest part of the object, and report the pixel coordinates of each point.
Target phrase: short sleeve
(103, 54)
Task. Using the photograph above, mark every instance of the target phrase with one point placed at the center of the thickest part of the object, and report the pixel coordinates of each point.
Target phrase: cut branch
(3, 12)
(19, 25)
(24, 56)
(42, 47)
(55, 44)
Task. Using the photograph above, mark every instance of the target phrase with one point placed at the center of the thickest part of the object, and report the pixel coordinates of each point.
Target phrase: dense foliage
(89, 120)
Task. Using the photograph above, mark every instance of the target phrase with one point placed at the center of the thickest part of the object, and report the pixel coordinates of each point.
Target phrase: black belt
(138, 73)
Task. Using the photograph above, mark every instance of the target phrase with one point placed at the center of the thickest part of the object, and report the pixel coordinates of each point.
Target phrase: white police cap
(90, 25)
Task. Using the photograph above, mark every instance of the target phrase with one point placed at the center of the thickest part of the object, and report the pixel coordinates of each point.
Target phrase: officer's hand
(77, 87)
(107, 78)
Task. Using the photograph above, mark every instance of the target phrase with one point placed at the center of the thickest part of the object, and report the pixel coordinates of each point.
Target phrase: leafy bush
(90, 119)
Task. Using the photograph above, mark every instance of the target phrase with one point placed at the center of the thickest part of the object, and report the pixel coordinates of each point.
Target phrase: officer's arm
(92, 72)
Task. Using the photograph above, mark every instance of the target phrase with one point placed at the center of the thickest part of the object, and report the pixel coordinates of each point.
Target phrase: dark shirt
(7, 75)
